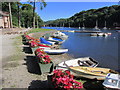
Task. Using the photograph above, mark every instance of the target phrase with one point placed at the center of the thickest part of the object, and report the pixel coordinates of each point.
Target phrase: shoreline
(23, 71)
(55, 58)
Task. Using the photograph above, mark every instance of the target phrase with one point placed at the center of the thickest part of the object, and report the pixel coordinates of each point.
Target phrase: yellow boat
(90, 72)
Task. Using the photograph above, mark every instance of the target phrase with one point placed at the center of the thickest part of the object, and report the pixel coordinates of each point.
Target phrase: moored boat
(93, 34)
(84, 61)
(112, 81)
(56, 40)
(90, 72)
(42, 40)
(60, 35)
(55, 51)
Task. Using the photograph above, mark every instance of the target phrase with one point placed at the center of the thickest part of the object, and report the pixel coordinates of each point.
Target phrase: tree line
(105, 17)
(23, 15)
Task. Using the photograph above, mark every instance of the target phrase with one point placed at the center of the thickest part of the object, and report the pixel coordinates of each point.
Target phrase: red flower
(43, 57)
(68, 72)
(63, 79)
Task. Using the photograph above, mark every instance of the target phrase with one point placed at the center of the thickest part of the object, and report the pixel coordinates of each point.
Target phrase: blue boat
(42, 40)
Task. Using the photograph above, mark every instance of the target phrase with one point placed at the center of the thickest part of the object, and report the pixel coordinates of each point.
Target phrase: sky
(57, 10)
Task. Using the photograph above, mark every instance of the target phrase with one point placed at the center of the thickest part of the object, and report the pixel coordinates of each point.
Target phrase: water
(102, 49)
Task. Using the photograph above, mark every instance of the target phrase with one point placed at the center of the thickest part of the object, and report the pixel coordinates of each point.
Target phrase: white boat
(71, 31)
(100, 34)
(93, 34)
(56, 40)
(55, 51)
(60, 35)
(112, 81)
(85, 61)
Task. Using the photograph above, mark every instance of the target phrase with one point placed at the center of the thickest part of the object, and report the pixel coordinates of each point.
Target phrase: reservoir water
(103, 49)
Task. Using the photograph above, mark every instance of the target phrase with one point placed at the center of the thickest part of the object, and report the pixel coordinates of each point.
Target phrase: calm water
(103, 49)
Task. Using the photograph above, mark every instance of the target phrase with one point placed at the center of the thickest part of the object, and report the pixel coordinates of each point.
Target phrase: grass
(18, 55)
(38, 30)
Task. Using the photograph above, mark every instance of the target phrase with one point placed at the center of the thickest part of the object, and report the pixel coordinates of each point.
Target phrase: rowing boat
(112, 81)
(55, 51)
(84, 61)
(90, 72)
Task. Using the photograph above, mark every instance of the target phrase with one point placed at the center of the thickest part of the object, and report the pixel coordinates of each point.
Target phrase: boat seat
(98, 72)
(88, 62)
(82, 63)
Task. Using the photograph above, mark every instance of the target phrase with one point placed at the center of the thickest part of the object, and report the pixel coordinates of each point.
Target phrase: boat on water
(112, 81)
(93, 34)
(71, 31)
(90, 72)
(84, 61)
(55, 51)
(100, 34)
(60, 35)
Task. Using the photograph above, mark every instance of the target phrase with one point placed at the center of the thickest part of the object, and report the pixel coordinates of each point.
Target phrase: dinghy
(55, 51)
(60, 35)
(90, 72)
(85, 61)
(56, 40)
(112, 81)
(42, 40)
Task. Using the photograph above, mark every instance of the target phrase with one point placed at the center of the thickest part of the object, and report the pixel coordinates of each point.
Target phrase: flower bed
(42, 56)
(64, 80)
(44, 61)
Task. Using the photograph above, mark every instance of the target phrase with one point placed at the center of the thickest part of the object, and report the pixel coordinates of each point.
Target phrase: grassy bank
(38, 30)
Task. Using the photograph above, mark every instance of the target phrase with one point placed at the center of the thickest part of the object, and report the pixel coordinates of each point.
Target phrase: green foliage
(26, 14)
(109, 14)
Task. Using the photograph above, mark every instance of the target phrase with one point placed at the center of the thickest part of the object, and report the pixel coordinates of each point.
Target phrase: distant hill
(110, 15)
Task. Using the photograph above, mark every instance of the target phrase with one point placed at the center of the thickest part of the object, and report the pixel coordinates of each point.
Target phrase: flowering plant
(33, 43)
(63, 79)
(28, 37)
(42, 56)
(31, 38)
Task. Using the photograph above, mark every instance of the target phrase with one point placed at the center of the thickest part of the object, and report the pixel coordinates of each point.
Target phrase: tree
(19, 23)
(11, 25)
(42, 5)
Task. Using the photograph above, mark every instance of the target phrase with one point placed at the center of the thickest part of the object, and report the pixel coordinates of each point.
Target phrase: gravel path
(22, 73)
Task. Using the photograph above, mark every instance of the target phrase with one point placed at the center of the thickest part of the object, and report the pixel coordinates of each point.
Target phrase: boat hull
(90, 72)
(85, 61)
(55, 51)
